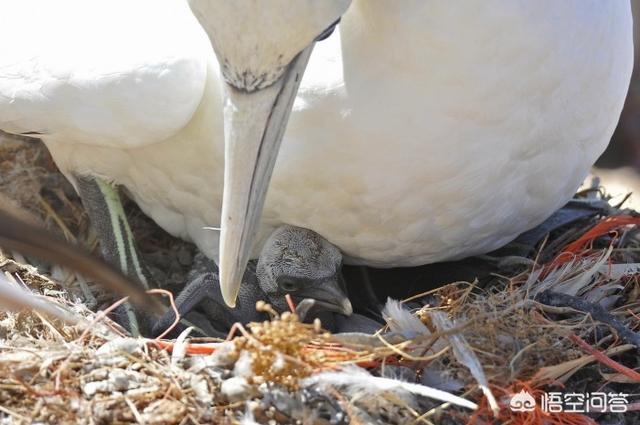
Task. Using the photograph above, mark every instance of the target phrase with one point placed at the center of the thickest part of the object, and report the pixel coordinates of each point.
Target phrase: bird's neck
(382, 36)
(381, 14)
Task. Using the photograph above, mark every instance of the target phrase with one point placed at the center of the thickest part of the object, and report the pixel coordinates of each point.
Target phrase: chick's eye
(288, 285)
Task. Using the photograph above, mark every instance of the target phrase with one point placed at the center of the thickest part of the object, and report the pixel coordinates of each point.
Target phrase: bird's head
(262, 47)
(303, 264)
(257, 40)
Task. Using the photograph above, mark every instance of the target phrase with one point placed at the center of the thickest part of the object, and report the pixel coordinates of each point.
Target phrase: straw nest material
(564, 318)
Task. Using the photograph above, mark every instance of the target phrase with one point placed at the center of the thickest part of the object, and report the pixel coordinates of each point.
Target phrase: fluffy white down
(402, 321)
(423, 131)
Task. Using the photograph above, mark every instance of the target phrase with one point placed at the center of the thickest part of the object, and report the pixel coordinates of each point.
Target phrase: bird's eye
(288, 285)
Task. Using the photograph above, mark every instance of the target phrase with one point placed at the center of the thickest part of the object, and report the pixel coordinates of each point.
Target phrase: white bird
(451, 128)
(422, 130)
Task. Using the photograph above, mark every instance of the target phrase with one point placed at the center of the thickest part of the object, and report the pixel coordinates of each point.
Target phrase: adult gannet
(451, 128)
(422, 130)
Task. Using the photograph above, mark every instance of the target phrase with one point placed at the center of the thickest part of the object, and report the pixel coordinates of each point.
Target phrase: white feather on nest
(356, 381)
(465, 355)
(402, 321)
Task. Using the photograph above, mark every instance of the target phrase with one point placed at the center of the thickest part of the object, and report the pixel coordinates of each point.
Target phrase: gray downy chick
(293, 261)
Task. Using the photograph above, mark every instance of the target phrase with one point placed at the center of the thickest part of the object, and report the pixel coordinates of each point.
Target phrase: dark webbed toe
(355, 323)
(195, 292)
(339, 323)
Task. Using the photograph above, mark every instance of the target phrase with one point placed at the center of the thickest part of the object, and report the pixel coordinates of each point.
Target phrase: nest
(565, 318)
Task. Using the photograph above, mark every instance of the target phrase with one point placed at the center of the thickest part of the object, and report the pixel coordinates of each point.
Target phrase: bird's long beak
(254, 124)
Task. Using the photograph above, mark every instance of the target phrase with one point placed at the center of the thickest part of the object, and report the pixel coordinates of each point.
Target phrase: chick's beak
(330, 296)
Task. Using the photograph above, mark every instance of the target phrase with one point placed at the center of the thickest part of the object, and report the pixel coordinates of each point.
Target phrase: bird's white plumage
(423, 130)
(111, 73)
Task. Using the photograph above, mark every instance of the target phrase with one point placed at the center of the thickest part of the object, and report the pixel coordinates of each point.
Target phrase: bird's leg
(102, 202)
(202, 287)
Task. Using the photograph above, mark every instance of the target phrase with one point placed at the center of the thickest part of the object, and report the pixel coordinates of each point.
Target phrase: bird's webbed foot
(104, 207)
(199, 289)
